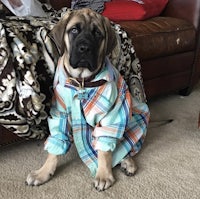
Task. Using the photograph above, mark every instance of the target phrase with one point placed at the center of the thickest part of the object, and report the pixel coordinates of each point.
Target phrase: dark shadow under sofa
(167, 46)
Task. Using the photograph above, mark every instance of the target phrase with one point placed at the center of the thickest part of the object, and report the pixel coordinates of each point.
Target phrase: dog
(92, 105)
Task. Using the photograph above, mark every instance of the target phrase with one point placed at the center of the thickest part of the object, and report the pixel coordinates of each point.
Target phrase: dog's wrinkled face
(85, 44)
(84, 38)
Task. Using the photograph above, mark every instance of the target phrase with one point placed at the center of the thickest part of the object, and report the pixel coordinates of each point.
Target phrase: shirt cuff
(57, 144)
(106, 144)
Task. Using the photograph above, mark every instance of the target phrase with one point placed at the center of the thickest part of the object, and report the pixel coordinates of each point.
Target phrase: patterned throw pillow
(97, 5)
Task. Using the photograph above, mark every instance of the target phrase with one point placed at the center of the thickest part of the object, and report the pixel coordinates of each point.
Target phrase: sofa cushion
(160, 36)
(133, 10)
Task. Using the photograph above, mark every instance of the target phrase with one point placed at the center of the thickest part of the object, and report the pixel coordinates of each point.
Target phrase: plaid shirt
(105, 118)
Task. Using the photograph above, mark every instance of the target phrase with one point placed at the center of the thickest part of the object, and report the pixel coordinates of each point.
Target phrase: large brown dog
(84, 38)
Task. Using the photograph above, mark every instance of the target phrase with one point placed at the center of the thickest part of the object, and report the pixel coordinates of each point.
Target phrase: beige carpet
(169, 163)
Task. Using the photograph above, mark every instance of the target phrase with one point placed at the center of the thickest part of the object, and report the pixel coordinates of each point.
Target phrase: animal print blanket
(28, 60)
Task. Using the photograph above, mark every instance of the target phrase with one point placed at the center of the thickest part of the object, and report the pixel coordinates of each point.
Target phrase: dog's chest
(92, 104)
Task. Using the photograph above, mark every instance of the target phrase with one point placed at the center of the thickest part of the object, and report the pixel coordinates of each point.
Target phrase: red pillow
(117, 10)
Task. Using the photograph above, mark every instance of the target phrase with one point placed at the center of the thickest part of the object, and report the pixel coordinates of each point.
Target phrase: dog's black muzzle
(84, 52)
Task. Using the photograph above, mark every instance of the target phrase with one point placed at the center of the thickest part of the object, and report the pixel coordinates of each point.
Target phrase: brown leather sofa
(168, 47)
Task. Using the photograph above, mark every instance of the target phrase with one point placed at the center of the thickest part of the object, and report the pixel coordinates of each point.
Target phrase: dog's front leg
(104, 177)
(43, 174)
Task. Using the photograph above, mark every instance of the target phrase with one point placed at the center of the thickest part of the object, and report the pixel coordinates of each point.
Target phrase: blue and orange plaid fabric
(108, 119)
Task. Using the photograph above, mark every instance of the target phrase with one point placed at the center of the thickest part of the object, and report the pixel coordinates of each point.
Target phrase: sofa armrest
(184, 9)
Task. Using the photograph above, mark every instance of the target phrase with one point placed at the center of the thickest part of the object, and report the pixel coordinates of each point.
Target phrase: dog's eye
(74, 30)
(97, 33)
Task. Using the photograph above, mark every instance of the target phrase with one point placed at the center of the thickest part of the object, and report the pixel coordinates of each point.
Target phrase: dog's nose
(84, 48)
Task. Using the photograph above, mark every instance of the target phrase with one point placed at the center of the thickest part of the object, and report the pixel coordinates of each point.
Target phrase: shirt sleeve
(58, 143)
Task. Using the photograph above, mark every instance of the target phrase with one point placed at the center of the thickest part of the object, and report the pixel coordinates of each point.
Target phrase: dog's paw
(103, 182)
(128, 166)
(36, 178)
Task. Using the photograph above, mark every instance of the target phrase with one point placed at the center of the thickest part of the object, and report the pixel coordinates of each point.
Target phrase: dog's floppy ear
(111, 36)
(58, 31)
